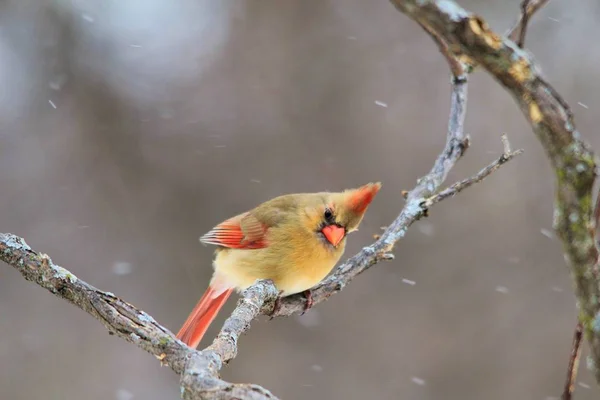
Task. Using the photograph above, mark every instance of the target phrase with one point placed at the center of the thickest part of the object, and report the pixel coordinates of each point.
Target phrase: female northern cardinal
(295, 240)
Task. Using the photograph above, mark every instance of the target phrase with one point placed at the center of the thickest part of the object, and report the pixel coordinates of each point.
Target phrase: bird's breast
(293, 265)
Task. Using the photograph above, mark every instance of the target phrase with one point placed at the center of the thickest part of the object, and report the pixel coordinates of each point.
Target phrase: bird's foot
(277, 305)
(309, 301)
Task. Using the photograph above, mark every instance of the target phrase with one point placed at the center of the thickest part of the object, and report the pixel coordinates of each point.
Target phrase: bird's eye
(328, 214)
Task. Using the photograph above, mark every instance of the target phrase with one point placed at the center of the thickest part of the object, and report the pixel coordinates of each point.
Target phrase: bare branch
(198, 370)
(456, 144)
(573, 363)
(457, 68)
(597, 212)
(458, 187)
(573, 161)
(528, 8)
(523, 24)
(516, 33)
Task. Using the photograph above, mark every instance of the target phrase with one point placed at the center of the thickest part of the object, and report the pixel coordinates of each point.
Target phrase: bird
(294, 240)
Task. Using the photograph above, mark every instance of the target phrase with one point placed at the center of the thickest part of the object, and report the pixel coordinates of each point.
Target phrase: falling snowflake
(418, 381)
(122, 268)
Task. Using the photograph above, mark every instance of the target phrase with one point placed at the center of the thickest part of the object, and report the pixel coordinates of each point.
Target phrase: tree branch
(199, 370)
(458, 187)
(573, 363)
(456, 144)
(523, 24)
(516, 33)
(457, 68)
(528, 8)
(573, 161)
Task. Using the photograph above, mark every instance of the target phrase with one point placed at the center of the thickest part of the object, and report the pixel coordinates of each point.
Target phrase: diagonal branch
(573, 161)
(199, 370)
(457, 68)
(458, 187)
(528, 8)
(456, 144)
(516, 33)
(573, 363)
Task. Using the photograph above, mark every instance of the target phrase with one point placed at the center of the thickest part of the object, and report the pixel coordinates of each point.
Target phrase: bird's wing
(243, 231)
(249, 230)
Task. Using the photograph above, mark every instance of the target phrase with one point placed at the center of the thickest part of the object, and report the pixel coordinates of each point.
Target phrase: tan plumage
(294, 240)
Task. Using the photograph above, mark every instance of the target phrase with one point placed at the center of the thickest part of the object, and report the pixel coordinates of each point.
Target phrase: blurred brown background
(130, 128)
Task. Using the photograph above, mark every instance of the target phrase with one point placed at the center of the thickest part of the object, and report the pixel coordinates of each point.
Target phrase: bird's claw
(307, 306)
(277, 305)
(309, 301)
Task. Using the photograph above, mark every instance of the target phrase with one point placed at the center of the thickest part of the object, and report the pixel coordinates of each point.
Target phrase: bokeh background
(130, 128)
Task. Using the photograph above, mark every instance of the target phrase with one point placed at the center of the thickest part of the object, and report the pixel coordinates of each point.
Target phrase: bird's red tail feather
(201, 317)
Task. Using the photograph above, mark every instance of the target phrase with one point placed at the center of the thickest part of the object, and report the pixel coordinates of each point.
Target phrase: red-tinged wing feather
(243, 231)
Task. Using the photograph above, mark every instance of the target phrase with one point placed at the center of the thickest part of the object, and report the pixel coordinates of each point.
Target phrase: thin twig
(573, 363)
(457, 68)
(528, 8)
(458, 187)
(524, 22)
(597, 212)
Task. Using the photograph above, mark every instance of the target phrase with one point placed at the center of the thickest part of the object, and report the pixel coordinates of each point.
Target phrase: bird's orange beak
(334, 234)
